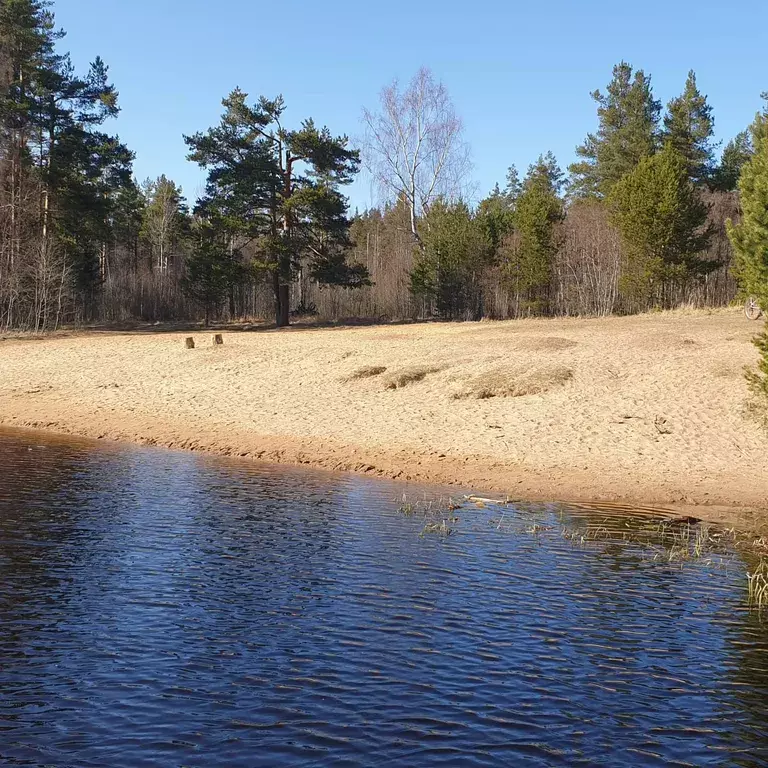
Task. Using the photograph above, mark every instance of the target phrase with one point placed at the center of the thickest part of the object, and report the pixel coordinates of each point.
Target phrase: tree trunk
(302, 297)
(283, 309)
(282, 302)
(282, 292)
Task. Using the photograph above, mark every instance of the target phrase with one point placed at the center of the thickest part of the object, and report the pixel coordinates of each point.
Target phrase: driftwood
(190, 342)
(217, 339)
(482, 500)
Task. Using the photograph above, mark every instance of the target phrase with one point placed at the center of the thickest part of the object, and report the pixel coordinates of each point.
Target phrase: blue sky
(520, 74)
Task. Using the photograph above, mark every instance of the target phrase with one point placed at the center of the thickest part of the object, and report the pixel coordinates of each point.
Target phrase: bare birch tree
(414, 145)
(163, 218)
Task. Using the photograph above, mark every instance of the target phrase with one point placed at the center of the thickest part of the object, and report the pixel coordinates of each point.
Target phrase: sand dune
(644, 409)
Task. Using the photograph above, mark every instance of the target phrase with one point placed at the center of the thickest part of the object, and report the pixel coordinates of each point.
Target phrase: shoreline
(291, 398)
(518, 485)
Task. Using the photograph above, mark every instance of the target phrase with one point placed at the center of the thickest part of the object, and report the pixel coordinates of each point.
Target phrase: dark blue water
(166, 609)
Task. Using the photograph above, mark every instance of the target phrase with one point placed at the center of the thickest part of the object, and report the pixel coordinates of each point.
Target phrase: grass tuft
(436, 513)
(439, 527)
(515, 382)
(366, 372)
(410, 375)
(756, 407)
(757, 587)
(545, 344)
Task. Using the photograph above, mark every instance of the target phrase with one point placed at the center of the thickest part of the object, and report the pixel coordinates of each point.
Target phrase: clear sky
(520, 73)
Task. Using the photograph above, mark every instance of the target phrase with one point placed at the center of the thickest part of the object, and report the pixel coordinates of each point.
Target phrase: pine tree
(448, 265)
(739, 150)
(749, 237)
(758, 380)
(128, 216)
(208, 270)
(496, 215)
(688, 127)
(50, 117)
(513, 187)
(628, 132)
(662, 222)
(27, 40)
(736, 153)
(86, 174)
(759, 127)
(529, 258)
(256, 193)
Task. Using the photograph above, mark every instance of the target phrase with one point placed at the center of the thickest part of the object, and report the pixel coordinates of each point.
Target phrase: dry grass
(756, 410)
(515, 382)
(410, 375)
(757, 587)
(724, 370)
(366, 372)
(545, 344)
(437, 513)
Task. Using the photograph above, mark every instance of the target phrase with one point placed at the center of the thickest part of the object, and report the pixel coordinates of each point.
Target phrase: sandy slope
(653, 412)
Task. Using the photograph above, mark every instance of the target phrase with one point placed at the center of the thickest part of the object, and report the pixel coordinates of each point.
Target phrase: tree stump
(190, 342)
(217, 339)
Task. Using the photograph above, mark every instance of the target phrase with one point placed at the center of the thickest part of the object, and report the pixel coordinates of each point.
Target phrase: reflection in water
(161, 608)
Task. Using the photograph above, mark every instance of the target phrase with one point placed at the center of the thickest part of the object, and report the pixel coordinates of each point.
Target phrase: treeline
(639, 221)
(81, 241)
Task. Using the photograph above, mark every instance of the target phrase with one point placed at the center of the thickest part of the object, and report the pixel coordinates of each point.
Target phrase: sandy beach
(644, 410)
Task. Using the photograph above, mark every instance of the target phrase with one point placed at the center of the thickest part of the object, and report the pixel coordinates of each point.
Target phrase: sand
(639, 410)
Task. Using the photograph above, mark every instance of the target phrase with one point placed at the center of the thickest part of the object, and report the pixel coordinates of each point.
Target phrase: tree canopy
(750, 236)
(275, 193)
(688, 127)
(662, 221)
(628, 117)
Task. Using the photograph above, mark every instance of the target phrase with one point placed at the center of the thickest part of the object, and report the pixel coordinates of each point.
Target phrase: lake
(163, 608)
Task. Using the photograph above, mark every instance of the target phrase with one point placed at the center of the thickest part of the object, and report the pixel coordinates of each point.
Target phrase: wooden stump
(217, 339)
(190, 342)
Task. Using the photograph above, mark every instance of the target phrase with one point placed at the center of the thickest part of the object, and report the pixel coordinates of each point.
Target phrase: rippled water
(167, 609)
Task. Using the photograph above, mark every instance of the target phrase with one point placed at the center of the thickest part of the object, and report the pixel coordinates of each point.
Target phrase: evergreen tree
(51, 117)
(749, 237)
(28, 37)
(628, 132)
(688, 127)
(736, 153)
(758, 380)
(662, 222)
(739, 150)
(514, 187)
(496, 215)
(257, 194)
(759, 128)
(528, 260)
(208, 270)
(448, 266)
(127, 219)
(27, 41)
(85, 180)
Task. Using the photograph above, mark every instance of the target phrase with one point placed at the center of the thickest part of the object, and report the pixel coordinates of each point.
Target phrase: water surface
(167, 609)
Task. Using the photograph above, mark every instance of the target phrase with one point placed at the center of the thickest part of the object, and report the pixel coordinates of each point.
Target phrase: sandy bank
(645, 409)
